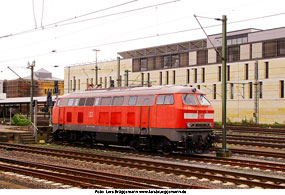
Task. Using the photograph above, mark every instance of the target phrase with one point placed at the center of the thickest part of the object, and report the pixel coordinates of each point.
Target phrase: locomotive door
(144, 119)
(61, 117)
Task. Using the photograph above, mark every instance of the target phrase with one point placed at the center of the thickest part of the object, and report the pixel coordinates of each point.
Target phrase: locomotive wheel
(87, 140)
(166, 147)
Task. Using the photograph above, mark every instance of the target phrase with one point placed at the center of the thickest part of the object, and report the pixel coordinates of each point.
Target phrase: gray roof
(168, 89)
(43, 74)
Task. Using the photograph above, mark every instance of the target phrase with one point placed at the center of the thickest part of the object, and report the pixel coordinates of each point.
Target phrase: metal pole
(96, 66)
(126, 78)
(118, 71)
(224, 152)
(68, 79)
(31, 66)
(256, 113)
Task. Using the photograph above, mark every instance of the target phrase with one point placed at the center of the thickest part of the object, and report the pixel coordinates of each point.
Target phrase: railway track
(237, 178)
(85, 178)
(259, 130)
(260, 141)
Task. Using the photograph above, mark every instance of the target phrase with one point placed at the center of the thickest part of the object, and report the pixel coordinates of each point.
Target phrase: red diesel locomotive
(161, 118)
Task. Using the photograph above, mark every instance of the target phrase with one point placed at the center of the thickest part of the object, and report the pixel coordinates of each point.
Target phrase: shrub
(20, 120)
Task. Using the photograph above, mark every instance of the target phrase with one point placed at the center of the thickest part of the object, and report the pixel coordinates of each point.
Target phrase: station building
(255, 72)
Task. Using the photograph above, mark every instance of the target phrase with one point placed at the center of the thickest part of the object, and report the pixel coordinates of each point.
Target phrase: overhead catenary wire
(135, 39)
(59, 23)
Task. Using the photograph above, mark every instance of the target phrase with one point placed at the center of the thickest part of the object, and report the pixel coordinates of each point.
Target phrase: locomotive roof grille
(134, 91)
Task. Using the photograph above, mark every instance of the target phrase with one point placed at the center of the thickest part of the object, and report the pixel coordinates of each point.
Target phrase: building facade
(255, 72)
(43, 82)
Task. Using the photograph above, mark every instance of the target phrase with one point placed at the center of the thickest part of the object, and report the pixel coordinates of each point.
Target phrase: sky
(64, 32)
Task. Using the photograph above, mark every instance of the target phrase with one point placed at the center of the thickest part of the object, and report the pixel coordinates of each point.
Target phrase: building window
(143, 64)
(250, 90)
(214, 91)
(246, 71)
(228, 72)
(195, 75)
(105, 84)
(232, 91)
(148, 79)
(173, 79)
(219, 73)
(281, 47)
(266, 70)
(74, 83)
(260, 90)
(136, 65)
(203, 75)
(70, 86)
(188, 76)
(233, 53)
(167, 61)
(198, 86)
(150, 63)
(175, 61)
(269, 49)
(92, 80)
(160, 78)
(158, 62)
(282, 89)
(167, 77)
(219, 54)
(142, 79)
(202, 57)
(110, 79)
(184, 59)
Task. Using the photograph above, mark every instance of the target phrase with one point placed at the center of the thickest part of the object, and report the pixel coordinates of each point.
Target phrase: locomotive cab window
(90, 101)
(70, 102)
(76, 102)
(58, 102)
(82, 101)
(203, 100)
(189, 99)
(63, 102)
(165, 100)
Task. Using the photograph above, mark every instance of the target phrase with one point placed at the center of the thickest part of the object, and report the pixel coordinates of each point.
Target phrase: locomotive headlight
(189, 125)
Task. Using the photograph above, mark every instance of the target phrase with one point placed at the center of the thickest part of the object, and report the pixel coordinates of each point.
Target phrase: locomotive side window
(76, 102)
(90, 101)
(146, 100)
(203, 100)
(165, 100)
(189, 99)
(118, 101)
(70, 102)
(106, 101)
(97, 101)
(133, 100)
(82, 101)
